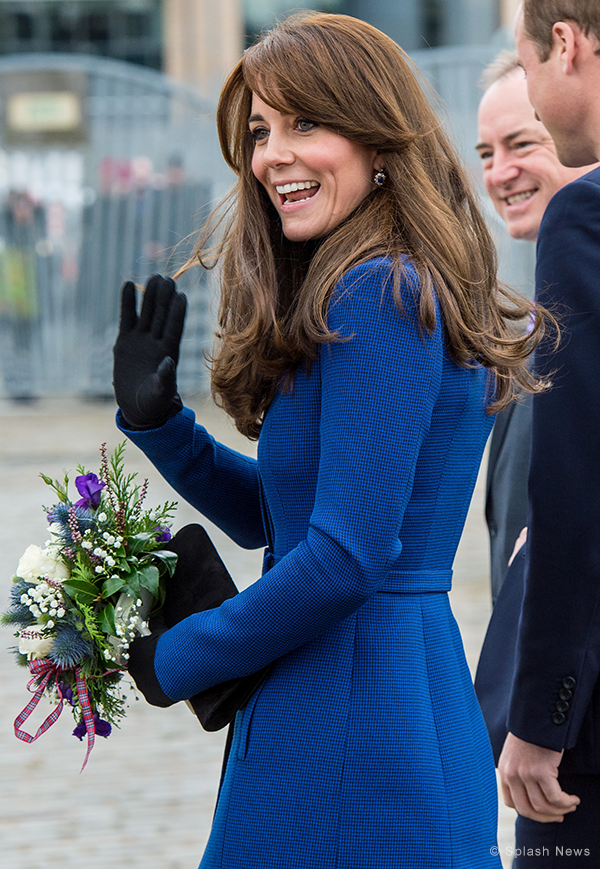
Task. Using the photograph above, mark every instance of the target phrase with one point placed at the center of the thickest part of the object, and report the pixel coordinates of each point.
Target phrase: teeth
(296, 185)
(519, 197)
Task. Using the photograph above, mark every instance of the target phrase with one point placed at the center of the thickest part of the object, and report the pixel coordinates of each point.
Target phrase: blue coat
(365, 747)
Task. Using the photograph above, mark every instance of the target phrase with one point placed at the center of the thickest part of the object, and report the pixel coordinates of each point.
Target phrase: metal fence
(105, 171)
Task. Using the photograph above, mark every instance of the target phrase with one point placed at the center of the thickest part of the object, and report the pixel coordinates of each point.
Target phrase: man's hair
(540, 16)
(504, 64)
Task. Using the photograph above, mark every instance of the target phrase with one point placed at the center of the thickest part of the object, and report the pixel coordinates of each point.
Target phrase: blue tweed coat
(365, 747)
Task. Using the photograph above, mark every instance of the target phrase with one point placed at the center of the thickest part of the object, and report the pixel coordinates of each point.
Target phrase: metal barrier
(105, 170)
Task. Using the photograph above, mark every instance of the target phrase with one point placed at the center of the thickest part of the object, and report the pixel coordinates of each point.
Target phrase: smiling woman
(288, 150)
(363, 339)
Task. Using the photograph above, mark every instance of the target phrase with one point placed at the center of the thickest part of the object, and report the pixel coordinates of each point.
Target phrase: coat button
(569, 682)
(565, 694)
(562, 706)
(558, 718)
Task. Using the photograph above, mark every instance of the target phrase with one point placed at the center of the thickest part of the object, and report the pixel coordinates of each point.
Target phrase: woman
(364, 341)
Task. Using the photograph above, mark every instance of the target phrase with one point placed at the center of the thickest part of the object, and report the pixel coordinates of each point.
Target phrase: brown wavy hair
(540, 16)
(345, 74)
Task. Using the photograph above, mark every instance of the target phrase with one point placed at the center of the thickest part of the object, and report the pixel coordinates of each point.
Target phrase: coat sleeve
(558, 649)
(378, 389)
(218, 481)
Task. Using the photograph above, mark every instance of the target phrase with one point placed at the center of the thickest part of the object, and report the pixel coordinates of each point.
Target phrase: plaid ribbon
(86, 709)
(87, 712)
(41, 672)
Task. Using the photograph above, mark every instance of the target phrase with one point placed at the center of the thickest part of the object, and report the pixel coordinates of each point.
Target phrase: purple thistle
(69, 647)
(90, 488)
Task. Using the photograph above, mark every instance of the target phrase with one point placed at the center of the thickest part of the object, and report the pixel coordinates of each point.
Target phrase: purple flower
(164, 534)
(67, 694)
(89, 487)
(81, 730)
(101, 727)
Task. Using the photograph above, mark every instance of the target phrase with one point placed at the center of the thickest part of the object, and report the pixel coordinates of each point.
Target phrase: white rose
(36, 563)
(35, 646)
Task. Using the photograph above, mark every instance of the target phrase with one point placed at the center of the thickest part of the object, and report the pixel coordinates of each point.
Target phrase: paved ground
(147, 795)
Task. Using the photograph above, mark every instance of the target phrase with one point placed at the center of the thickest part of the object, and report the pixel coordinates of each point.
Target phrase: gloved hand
(146, 353)
(200, 582)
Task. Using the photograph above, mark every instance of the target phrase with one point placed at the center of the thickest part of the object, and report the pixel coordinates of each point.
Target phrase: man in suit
(521, 173)
(550, 763)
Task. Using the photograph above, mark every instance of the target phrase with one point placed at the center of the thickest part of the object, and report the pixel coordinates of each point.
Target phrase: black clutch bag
(200, 582)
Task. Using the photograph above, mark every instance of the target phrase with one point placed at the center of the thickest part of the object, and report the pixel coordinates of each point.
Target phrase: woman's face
(314, 177)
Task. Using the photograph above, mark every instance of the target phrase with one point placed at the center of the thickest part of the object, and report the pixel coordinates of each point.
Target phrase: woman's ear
(378, 162)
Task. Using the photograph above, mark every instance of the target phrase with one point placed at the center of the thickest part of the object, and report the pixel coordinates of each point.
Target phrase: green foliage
(59, 488)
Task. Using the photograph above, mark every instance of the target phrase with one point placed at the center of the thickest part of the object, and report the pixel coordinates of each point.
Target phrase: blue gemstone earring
(380, 178)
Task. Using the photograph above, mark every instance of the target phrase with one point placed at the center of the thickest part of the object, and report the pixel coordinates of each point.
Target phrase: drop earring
(380, 178)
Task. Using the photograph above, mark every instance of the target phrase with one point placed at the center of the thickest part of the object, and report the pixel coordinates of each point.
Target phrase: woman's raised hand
(146, 353)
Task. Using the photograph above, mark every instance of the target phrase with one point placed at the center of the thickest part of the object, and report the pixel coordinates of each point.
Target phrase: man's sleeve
(558, 650)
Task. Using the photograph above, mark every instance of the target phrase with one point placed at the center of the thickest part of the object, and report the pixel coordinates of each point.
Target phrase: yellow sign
(44, 111)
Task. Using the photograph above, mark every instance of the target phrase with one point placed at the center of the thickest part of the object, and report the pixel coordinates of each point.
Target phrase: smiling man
(521, 169)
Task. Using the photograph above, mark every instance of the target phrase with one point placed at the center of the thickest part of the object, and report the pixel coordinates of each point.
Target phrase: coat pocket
(247, 714)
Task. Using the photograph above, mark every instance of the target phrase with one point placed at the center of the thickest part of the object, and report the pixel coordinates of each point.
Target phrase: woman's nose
(277, 151)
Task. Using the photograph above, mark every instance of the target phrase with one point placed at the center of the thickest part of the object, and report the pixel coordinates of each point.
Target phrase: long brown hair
(345, 74)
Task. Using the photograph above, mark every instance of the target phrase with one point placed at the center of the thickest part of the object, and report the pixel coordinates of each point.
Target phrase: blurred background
(109, 162)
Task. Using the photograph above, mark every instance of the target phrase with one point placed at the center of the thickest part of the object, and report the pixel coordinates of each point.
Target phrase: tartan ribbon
(86, 708)
(87, 712)
(41, 672)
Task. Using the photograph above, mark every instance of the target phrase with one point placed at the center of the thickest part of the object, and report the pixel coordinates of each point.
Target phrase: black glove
(146, 353)
(200, 582)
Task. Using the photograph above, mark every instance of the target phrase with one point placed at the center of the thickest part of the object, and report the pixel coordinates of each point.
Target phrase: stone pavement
(147, 795)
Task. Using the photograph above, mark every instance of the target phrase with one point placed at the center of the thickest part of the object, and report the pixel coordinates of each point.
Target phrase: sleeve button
(569, 682)
(565, 694)
(562, 706)
(558, 718)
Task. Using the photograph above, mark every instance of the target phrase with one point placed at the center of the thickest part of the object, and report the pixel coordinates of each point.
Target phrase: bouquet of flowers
(78, 602)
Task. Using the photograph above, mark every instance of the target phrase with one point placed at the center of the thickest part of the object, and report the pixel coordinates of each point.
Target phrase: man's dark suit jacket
(506, 487)
(551, 694)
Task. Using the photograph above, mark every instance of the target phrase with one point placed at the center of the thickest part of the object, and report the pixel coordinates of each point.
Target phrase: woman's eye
(305, 126)
(259, 134)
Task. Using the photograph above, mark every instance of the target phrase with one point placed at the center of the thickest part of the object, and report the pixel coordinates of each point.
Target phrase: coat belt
(417, 581)
(398, 581)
